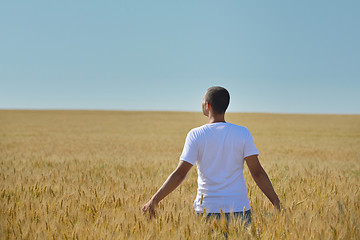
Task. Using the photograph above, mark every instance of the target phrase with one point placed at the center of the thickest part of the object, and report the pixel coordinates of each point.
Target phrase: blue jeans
(246, 216)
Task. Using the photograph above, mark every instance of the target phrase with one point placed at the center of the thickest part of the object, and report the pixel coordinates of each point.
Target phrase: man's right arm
(262, 180)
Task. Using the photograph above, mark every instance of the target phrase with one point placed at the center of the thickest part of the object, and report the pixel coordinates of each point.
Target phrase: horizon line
(184, 111)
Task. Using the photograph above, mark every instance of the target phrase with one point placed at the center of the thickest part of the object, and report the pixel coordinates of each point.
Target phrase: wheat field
(86, 174)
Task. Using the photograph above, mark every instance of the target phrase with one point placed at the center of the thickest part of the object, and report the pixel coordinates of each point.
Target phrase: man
(219, 150)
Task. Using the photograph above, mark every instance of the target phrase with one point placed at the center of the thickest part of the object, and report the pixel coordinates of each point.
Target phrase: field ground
(86, 174)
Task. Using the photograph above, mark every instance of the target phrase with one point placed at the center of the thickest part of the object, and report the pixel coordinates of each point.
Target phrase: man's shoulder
(197, 130)
(238, 127)
(206, 127)
(235, 125)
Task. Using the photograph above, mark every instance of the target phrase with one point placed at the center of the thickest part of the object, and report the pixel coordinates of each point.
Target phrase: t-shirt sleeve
(249, 146)
(190, 151)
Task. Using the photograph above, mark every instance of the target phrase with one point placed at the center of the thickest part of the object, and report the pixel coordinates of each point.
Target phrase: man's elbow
(259, 173)
(179, 175)
(183, 176)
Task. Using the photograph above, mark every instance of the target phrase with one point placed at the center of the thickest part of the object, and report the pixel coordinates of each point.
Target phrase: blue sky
(273, 56)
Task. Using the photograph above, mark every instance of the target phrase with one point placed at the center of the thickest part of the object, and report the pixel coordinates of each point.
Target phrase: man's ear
(208, 106)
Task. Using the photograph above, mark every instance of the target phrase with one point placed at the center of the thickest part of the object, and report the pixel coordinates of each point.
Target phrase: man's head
(218, 98)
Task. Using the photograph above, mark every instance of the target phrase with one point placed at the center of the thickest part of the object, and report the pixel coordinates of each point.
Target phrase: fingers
(144, 209)
(277, 206)
(148, 209)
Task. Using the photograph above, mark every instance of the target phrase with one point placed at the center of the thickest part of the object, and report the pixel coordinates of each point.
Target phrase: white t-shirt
(219, 149)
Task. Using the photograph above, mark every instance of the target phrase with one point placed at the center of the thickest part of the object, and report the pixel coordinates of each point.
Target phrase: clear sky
(272, 56)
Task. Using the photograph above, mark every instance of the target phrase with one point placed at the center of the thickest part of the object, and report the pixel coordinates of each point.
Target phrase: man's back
(219, 149)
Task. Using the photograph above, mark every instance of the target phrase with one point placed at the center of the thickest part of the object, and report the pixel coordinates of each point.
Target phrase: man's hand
(149, 207)
(169, 185)
(277, 206)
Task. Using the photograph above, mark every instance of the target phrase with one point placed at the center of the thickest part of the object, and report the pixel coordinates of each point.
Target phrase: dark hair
(219, 99)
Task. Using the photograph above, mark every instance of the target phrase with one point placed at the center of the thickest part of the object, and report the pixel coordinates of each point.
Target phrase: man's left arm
(172, 182)
(262, 180)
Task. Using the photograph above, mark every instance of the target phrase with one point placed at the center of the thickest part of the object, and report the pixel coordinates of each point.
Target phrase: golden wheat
(86, 174)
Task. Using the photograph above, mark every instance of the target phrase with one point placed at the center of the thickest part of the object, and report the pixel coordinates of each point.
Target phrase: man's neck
(215, 118)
